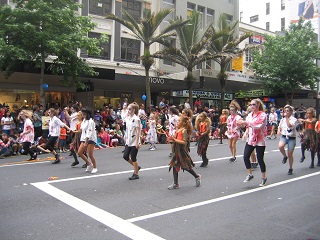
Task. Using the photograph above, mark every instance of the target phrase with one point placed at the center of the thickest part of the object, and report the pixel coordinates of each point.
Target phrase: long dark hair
(88, 113)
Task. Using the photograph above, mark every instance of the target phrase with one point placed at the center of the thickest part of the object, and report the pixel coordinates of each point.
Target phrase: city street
(107, 205)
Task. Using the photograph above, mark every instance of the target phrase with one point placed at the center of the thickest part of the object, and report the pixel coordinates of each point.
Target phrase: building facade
(119, 73)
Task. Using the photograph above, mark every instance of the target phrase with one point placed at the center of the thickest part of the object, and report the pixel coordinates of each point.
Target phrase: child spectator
(113, 139)
(63, 139)
(105, 137)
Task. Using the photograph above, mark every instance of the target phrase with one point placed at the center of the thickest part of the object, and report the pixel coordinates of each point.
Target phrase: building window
(170, 5)
(283, 5)
(100, 7)
(283, 24)
(254, 18)
(201, 11)
(168, 61)
(105, 47)
(208, 64)
(169, 1)
(248, 56)
(133, 8)
(190, 8)
(210, 16)
(268, 26)
(241, 16)
(229, 18)
(267, 8)
(130, 50)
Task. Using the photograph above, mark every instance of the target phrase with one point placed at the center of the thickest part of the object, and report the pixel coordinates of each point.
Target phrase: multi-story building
(119, 73)
(276, 15)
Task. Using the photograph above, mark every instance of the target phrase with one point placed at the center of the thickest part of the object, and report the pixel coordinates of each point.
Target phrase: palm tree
(223, 49)
(192, 49)
(146, 32)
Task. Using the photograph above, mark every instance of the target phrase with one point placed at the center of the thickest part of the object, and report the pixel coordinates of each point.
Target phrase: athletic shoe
(233, 159)
(284, 160)
(173, 186)
(152, 149)
(89, 168)
(94, 170)
(74, 163)
(198, 180)
(311, 165)
(263, 182)
(248, 178)
(290, 172)
(134, 177)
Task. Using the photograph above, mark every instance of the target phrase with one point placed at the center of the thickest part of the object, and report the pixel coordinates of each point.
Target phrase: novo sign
(156, 80)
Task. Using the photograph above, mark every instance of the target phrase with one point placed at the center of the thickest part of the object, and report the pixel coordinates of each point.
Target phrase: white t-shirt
(173, 120)
(54, 126)
(6, 120)
(133, 127)
(285, 130)
(73, 121)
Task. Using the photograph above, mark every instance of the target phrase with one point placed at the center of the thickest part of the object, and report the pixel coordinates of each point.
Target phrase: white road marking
(118, 224)
(158, 214)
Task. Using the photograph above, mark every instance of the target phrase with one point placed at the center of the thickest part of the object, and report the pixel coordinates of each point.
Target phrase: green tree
(287, 62)
(34, 30)
(147, 32)
(191, 49)
(223, 49)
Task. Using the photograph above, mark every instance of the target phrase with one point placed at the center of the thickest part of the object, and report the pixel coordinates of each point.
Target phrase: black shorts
(130, 151)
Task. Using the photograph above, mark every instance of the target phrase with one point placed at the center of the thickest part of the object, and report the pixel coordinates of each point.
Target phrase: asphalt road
(107, 205)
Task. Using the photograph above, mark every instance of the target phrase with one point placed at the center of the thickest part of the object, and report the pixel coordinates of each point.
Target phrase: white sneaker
(152, 149)
(94, 170)
(89, 168)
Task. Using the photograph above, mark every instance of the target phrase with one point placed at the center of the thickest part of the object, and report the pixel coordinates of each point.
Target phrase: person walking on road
(173, 119)
(273, 121)
(203, 128)
(233, 129)
(256, 121)
(132, 139)
(88, 140)
(180, 154)
(223, 123)
(27, 135)
(309, 136)
(54, 133)
(287, 129)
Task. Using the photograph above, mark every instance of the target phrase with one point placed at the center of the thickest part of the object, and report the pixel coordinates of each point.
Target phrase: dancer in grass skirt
(203, 128)
(180, 154)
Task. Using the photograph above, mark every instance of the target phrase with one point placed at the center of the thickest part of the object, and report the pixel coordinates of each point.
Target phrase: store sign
(250, 94)
(156, 80)
(232, 76)
(256, 39)
(202, 94)
(126, 95)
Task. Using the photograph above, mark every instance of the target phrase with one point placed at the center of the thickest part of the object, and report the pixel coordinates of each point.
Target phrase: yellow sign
(237, 64)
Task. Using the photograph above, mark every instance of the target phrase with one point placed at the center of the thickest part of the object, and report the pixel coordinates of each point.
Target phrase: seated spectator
(113, 139)
(119, 135)
(41, 144)
(16, 143)
(5, 146)
(105, 137)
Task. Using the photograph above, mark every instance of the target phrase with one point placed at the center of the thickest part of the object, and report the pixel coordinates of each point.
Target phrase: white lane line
(118, 224)
(158, 214)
